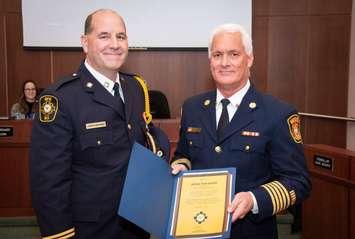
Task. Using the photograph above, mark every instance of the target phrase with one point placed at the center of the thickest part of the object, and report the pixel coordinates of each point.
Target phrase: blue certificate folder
(149, 193)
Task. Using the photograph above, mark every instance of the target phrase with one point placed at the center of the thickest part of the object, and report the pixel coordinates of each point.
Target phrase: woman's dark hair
(22, 99)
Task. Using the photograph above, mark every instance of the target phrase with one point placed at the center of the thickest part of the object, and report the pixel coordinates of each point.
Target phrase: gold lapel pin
(207, 102)
(89, 84)
(252, 105)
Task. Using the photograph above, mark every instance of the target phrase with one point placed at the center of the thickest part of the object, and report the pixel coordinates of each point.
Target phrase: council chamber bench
(15, 199)
(329, 212)
(14, 187)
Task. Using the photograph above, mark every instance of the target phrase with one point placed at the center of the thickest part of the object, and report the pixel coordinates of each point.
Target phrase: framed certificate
(200, 204)
(192, 204)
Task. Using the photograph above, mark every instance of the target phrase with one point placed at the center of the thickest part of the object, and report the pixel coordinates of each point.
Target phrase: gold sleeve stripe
(67, 236)
(277, 197)
(285, 194)
(60, 235)
(281, 195)
(272, 198)
(184, 161)
(293, 197)
(288, 200)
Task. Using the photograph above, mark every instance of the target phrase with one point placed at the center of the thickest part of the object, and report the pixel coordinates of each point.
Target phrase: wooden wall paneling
(23, 64)
(178, 74)
(13, 6)
(287, 59)
(279, 7)
(260, 48)
(352, 197)
(327, 84)
(352, 212)
(324, 131)
(328, 65)
(330, 198)
(260, 8)
(3, 61)
(198, 74)
(66, 63)
(352, 169)
(328, 7)
(187, 73)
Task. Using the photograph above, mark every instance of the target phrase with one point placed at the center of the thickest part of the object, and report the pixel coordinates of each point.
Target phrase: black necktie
(116, 89)
(224, 119)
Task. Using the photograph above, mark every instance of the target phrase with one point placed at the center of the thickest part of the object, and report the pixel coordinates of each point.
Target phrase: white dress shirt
(235, 101)
(104, 81)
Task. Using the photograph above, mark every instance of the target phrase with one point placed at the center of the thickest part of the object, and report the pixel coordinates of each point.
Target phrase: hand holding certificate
(192, 204)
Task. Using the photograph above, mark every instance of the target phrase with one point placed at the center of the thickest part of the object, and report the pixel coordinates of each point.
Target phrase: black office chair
(159, 106)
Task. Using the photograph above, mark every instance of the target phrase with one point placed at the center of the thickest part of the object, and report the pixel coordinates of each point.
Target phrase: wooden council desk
(14, 176)
(329, 212)
(15, 199)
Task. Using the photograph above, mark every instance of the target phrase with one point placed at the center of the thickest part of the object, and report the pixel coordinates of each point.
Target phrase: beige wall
(351, 94)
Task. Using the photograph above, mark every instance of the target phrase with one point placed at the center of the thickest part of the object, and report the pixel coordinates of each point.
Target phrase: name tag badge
(193, 130)
(95, 125)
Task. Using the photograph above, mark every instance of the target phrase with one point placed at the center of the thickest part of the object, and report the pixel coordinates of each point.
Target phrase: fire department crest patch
(48, 108)
(294, 125)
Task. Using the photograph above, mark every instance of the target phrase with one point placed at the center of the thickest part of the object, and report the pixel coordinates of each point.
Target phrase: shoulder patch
(294, 125)
(48, 108)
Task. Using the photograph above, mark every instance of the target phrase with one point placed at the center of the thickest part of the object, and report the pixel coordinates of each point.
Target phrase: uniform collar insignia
(252, 105)
(89, 84)
(206, 102)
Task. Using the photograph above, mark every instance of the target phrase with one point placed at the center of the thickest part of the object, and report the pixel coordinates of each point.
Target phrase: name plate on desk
(323, 162)
(6, 131)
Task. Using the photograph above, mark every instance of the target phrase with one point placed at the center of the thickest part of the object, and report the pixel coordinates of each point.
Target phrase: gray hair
(232, 28)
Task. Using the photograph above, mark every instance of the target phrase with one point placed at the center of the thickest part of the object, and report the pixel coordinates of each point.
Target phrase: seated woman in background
(27, 105)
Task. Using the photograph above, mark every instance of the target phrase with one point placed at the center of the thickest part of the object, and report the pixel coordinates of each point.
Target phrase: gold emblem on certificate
(201, 201)
(200, 217)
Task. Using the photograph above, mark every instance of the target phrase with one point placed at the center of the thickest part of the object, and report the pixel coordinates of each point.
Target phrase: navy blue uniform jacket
(262, 142)
(79, 155)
